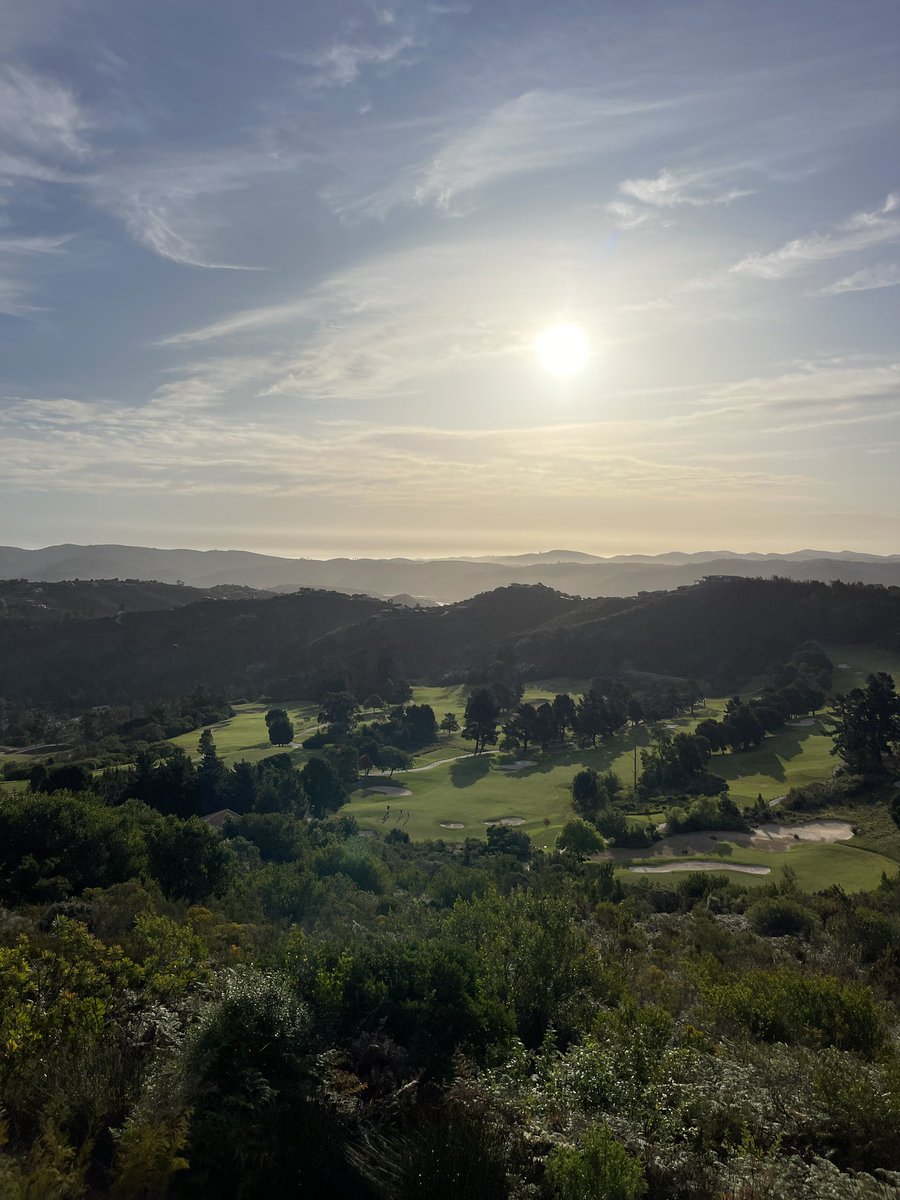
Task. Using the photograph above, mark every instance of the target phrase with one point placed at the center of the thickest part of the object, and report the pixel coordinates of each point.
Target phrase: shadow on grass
(466, 771)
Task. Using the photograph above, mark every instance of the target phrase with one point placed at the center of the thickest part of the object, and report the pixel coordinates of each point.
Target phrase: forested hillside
(724, 631)
(87, 599)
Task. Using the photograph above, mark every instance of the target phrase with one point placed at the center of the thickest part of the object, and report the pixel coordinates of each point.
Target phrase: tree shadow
(466, 771)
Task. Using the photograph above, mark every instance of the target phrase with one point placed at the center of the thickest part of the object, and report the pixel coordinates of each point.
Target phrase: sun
(562, 350)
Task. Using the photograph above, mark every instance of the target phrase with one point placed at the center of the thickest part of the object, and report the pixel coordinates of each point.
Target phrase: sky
(272, 274)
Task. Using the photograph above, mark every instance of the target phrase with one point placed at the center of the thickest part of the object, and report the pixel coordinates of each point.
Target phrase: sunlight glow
(562, 350)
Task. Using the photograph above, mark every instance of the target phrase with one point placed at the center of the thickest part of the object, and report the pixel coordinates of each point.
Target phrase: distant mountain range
(443, 580)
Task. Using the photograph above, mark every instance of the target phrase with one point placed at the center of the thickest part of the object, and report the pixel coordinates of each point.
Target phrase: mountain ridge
(446, 580)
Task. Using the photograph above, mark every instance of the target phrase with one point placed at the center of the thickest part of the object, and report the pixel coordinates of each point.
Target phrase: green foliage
(50, 1170)
(866, 724)
(481, 717)
(173, 957)
(259, 1119)
(778, 916)
(54, 845)
(189, 860)
(280, 727)
(457, 1153)
(784, 1005)
(148, 1155)
(580, 838)
(600, 1168)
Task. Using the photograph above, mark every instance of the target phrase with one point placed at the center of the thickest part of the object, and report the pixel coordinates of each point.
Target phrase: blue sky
(271, 274)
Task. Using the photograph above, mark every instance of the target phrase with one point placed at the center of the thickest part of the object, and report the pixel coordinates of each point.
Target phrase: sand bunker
(843, 666)
(665, 868)
(803, 724)
(387, 791)
(451, 825)
(812, 831)
(519, 765)
(774, 837)
(507, 821)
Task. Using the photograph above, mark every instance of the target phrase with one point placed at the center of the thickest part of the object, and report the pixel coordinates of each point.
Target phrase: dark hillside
(720, 631)
(717, 630)
(87, 599)
(229, 646)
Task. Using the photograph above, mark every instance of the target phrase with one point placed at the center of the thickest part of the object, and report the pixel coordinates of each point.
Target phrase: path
(442, 761)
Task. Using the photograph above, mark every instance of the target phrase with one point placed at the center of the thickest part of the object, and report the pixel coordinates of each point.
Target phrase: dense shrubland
(289, 1008)
(281, 1006)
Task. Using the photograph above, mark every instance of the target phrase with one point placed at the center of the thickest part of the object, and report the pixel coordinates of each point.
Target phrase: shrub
(780, 916)
(601, 1169)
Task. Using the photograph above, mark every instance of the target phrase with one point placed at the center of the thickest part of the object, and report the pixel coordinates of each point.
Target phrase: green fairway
(245, 736)
(449, 787)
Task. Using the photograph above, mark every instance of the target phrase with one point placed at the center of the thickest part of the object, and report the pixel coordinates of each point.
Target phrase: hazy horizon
(460, 554)
(290, 278)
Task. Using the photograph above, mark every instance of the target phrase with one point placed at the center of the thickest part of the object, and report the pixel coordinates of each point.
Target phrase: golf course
(451, 794)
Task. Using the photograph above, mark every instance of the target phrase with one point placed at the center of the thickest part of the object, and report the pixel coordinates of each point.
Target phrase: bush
(602, 1169)
(786, 1006)
(780, 916)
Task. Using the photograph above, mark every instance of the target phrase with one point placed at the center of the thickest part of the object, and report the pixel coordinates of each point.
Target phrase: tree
(210, 784)
(546, 726)
(741, 728)
(586, 791)
(481, 716)
(579, 838)
(324, 790)
(392, 759)
(564, 711)
(280, 726)
(373, 703)
(338, 708)
(522, 726)
(867, 724)
(449, 723)
(188, 860)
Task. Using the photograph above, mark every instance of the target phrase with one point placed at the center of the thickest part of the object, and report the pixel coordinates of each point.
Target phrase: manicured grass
(245, 734)
(816, 866)
(471, 790)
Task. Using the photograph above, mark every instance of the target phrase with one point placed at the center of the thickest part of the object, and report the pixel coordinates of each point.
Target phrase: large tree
(480, 722)
(867, 724)
(280, 726)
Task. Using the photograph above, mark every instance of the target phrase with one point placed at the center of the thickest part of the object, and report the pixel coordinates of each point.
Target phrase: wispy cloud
(41, 115)
(34, 245)
(537, 131)
(827, 387)
(342, 62)
(694, 188)
(73, 446)
(170, 206)
(859, 232)
(884, 275)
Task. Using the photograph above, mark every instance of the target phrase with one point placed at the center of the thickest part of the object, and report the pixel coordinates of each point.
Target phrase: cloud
(828, 389)
(342, 62)
(34, 245)
(12, 299)
(859, 232)
(645, 200)
(169, 206)
(41, 115)
(538, 131)
(695, 188)
(73, 446)
(884, 275)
